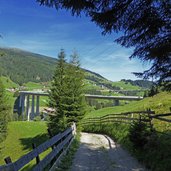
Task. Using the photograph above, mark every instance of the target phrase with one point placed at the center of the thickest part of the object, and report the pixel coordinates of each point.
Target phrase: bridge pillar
(32, 107)
(37, 105)
(116, 102)
(22, 105)
(27, 108)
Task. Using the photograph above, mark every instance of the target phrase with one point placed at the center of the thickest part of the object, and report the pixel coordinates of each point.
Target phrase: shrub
(139, 134)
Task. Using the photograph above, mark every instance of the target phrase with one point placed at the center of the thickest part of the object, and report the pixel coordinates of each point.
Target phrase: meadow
(20, 136)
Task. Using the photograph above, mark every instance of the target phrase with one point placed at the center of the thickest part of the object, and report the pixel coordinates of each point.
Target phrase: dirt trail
(101, 153)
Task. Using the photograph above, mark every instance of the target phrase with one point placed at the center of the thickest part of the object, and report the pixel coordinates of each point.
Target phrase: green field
(20, 137)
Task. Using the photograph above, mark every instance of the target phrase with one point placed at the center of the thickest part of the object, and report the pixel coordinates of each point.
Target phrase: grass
(160, 103)
(8, 83)
(125, 86)
(32, 85)
(67, 160)
(19, 140)
(156, 154)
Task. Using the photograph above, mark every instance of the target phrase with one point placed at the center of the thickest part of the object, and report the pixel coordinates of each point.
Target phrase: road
(100, 153)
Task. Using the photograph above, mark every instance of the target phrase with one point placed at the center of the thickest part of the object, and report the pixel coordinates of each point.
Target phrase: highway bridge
(24, 101)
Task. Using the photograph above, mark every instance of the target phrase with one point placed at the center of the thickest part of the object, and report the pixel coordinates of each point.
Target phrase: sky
(26, 25)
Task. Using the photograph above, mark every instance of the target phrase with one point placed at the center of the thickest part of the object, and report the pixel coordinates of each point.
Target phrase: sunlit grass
(20, 137)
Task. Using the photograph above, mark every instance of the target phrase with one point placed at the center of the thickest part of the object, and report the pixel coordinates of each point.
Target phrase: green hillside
(32, 85)
(22, 67)
(8, 83)
(160, 103)
(125, 86)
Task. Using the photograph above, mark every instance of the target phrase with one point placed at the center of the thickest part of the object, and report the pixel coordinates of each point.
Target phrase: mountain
(22, 66)
(141, 83)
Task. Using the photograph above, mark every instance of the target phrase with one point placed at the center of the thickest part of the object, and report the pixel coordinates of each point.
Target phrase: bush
(37, 118)
(139, 134)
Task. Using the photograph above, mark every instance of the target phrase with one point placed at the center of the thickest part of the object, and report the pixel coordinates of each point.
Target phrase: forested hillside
(22, 67)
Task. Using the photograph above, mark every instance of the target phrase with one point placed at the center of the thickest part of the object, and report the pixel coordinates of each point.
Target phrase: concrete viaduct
(24, 102)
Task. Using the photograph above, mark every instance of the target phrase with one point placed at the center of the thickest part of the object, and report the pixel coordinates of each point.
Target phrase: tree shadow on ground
(39, 139)
(27, 145)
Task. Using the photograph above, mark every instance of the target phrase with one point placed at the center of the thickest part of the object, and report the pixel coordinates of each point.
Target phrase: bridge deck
(41, 93)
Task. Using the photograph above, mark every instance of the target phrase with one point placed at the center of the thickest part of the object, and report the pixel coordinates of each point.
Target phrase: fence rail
(127, 117)
(58, 143)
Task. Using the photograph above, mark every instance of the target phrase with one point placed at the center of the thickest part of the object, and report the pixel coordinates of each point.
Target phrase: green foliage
(66, 94)
(139, 133)
(67, 160)
(8, 83)
(37, 118)
(21, 66)
(153, 91)
(16, 94)
(57, 97)
(156, 153)
(76, 101)
(4, 112)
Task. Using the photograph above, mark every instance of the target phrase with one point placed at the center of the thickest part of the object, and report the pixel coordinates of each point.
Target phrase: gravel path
(101, 153)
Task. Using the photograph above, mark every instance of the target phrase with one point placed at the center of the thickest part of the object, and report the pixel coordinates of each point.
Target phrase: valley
(15, 78)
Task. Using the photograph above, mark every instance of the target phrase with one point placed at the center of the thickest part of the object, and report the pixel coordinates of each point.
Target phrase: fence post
(74, 129)
(100, 122)
(8, 160)
(50, 133)
(37, 158)
(150, 120)
(50, 136)
(140, 118)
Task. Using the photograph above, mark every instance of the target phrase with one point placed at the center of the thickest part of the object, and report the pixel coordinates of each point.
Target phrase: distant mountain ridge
(22, 66)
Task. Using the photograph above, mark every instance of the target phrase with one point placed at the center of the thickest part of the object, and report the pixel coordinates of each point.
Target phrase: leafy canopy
(145, 24)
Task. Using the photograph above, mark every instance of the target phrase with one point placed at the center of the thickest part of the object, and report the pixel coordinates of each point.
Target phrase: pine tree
(76, 100)
(58, 122)
(66, 94)
(4, 112)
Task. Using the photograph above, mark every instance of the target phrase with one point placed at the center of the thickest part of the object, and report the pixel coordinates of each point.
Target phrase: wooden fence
(128, 117)
(59, 143)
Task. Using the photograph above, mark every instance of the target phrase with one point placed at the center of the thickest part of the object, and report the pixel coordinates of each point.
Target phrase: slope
(160, 103)
(22, 67)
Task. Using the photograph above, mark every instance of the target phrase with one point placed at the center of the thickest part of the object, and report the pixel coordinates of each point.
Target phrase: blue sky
(26, 25)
